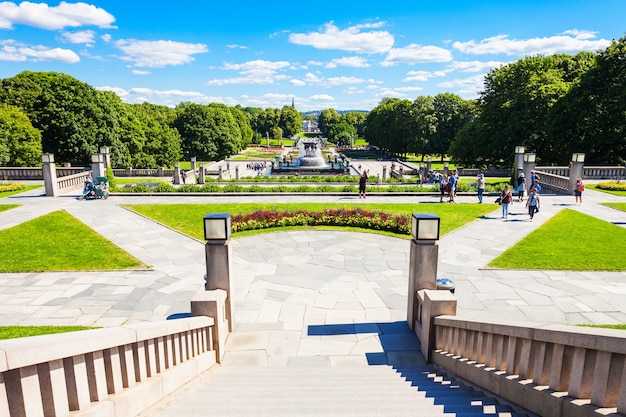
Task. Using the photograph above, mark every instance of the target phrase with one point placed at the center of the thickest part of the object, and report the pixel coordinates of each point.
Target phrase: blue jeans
(505, 209)
(480, 195)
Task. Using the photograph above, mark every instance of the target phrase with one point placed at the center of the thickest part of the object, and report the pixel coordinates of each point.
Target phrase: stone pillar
(429, 164)
(237, 172)
(575, 170)
(218, 274)
(423, 260)
(432, 304)
(49, 171)
(228, 166)
(384, 172)
(201, 173)
(97, 166)
(219, 172)
(528, 167)
(519, 161)
(105, 150)
(193, 163)
(446, 166)
(177, 173)
(161, 171)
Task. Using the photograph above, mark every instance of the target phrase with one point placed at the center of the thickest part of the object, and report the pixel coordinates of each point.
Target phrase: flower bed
(367, 219)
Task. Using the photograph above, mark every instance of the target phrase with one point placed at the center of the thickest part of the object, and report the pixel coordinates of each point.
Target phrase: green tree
(326, 120)
(356, 119)
(74, 119)
(20, 142)
(342, 133)
(591, 117)
(517, 100)
(290, 121)
(451, 114)
(392, 126)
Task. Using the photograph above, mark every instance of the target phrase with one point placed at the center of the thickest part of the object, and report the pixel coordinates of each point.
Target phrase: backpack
(581, 187)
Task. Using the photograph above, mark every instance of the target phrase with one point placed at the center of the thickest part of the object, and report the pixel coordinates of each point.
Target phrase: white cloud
(351, 39)
(471, 85)
(82, 37)
(141, 72)
(332, 81)
(475, 66)
(321, 97)
(297, 83)
(235, 46)
(501, 44)
(106, 38)
(414, 54)
(421, 76)
(352, 61)
(252, 72)
(42, 16)
(158, 54)
(164, 97)
(11, 50)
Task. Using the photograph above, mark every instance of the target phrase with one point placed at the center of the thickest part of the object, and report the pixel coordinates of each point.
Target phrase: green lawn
(187, 218)
(618, 206)
(20, 189)
(616, 192)
(5, 207)
(569, 241)
(12, 332)
(59, 242)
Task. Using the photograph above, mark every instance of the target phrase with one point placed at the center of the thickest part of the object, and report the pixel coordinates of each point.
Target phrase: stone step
(316, 391)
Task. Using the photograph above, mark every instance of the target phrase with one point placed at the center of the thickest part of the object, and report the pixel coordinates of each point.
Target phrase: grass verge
(59, 242)
(568, 241)
(16, 189)
(5, 207)
(187, 218)
(618, 206)
(13, 332)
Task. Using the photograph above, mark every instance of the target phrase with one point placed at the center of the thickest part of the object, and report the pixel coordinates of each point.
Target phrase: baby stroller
(96, 190)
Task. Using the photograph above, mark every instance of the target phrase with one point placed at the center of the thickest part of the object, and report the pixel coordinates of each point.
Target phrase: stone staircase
(328, 391)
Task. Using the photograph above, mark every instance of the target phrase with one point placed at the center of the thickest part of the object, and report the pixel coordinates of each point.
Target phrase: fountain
(310, 161)
(309, 154)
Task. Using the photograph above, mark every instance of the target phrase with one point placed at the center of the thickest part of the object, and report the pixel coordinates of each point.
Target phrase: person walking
(480, 185)
(578, 192)
(443, 183)
(533, 203)
(505, 199)
(362, 184)
(521, 186)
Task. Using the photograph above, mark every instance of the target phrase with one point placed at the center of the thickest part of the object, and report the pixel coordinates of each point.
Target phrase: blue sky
(344, 55)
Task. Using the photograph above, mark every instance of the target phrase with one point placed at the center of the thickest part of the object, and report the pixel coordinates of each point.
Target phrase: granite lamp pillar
(49, 172)
(576, 170)
(217, 231)
(529, 166)
(104, 150)
(424, 256)
(97, 165)
(519, 160)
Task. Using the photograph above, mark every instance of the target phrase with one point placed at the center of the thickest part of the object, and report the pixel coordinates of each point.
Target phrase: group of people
(533, 203)
(448, 185)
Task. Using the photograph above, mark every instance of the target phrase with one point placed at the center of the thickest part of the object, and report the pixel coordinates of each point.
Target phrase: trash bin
(445, 284)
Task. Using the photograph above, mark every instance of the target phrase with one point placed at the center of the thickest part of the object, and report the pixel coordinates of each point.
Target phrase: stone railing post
(430, 304)
(177, 173)
(201, 173)
(213, 304)
(50, 175)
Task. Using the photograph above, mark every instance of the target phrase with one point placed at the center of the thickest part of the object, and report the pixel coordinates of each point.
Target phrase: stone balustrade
(106, 372)
(551, 370)
(73, 182)
(557, 183)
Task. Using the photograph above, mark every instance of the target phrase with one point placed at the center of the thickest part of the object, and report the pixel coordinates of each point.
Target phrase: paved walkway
(287, 282)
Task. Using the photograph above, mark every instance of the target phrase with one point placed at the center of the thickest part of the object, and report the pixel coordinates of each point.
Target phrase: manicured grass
(594, 187)
(13, 332)
(605, 326)
(618, 206)
(5, 207)
(187, 218)
(21, 189)
(569, 241)
(59, 242)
